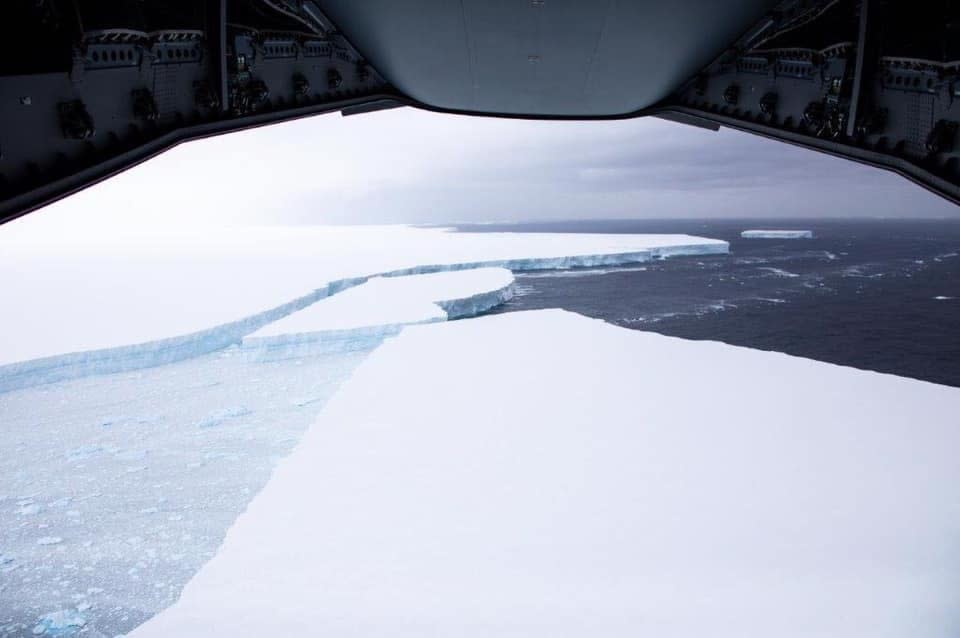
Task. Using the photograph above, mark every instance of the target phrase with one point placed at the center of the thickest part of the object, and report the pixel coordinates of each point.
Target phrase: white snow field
(777, 234)
(364, 315)
(545, 474)
(96, 305)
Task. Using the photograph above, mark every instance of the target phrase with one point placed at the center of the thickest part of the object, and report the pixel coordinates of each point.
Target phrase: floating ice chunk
(65, 622)
(218, 417)
(943, 298)
(29, 510)
(777, 234)
(49, 540)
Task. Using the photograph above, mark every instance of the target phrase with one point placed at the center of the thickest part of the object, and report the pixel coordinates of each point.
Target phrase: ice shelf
(361, 317)
(777, 234)
(541, 473)
(97, 308)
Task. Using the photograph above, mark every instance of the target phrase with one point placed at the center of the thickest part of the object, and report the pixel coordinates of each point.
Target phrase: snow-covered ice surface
(777, 234)
(362, 316)
(120, 303)
(544, 474)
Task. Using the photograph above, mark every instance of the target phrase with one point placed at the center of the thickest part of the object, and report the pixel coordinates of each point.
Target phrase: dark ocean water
(879, 295)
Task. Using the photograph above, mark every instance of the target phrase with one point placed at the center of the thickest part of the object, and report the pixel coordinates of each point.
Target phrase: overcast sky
(411, 166)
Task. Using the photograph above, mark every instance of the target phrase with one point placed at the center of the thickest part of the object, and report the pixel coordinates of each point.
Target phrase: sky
(411, 166)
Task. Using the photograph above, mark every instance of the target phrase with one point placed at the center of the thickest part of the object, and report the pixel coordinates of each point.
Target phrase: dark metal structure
(90, 87)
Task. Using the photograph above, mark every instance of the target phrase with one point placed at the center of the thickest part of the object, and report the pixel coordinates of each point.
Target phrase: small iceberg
(65, 622)
(777, 234)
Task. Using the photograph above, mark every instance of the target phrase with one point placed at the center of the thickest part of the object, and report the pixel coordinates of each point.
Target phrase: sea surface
(880, 295)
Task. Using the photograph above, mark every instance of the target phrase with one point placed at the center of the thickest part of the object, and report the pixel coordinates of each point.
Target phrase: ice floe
(63, 622)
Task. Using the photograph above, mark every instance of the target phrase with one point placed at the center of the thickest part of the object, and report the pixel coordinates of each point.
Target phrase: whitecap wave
(779, 272)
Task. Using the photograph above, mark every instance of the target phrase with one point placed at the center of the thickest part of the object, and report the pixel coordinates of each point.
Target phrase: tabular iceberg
(777, 234)
(589, 489)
